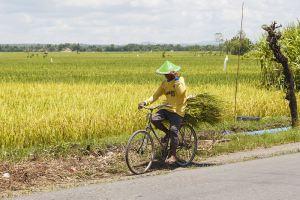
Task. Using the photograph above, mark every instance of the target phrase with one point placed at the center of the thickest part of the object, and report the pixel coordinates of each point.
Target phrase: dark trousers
(175, 121)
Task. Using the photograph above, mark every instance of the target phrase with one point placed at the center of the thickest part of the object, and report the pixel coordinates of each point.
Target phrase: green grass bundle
(203, 108)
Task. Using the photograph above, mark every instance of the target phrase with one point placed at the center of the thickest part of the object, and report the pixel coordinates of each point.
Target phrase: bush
(271, 71)
(233, 45)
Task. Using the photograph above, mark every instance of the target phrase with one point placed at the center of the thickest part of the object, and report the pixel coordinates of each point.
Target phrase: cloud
(128, 21)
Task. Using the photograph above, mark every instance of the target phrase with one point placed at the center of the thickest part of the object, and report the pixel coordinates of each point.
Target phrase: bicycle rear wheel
(187, 147)
(139, 152)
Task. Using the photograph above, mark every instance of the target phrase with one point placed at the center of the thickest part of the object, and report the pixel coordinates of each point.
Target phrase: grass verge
(243, 142)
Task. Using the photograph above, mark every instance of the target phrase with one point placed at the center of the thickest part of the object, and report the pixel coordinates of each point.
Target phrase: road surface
(271, 178)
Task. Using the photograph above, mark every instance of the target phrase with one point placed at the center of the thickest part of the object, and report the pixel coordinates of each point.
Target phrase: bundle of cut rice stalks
(203, 108)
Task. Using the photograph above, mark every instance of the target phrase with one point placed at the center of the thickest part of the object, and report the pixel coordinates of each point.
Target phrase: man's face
(170, 76)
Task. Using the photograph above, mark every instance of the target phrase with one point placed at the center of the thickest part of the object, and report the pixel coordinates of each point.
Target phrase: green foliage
(232, 46)
(271, 71)
(203, 108)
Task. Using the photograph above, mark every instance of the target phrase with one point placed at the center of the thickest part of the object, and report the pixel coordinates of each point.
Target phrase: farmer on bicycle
(175, 91)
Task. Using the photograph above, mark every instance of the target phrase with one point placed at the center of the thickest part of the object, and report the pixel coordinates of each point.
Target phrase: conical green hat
(168, 67)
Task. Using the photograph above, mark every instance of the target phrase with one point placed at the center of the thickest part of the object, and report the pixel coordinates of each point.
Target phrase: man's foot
(171, 160)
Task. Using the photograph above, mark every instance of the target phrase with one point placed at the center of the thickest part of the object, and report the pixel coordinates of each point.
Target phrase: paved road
(272, 178)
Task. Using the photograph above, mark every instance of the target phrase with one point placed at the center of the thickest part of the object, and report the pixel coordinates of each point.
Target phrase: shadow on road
(160, 165)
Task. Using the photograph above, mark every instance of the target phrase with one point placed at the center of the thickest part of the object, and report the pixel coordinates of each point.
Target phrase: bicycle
(140, 152)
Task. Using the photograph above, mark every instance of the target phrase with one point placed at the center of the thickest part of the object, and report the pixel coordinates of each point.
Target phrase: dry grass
(39, 173)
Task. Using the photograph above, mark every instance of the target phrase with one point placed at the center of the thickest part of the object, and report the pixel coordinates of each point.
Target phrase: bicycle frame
(148, 137)
(149, 128)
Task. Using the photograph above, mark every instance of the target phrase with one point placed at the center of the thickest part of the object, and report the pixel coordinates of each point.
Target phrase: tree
(219, 40)
(233, 44)
(273, 38)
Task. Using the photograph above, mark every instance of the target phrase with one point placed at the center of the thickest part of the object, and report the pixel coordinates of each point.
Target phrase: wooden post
(238, 67)
(273, 37)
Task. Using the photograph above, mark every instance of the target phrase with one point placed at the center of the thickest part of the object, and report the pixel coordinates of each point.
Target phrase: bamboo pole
(238, 67)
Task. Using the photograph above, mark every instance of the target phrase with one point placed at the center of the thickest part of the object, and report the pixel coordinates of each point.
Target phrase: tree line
(229, 46)
(103, 48)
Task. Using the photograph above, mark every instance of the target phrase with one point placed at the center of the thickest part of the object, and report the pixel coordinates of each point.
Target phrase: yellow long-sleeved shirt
(176, 95)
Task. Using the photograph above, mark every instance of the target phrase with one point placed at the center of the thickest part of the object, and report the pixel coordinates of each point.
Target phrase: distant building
(66, 50)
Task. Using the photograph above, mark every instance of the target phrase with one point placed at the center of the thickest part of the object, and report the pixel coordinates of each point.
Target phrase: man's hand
(141, 105)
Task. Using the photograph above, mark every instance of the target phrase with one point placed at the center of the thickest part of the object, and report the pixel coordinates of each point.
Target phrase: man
(175, 91)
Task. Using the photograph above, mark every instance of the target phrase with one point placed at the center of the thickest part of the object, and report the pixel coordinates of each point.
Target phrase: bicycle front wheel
(187, 147)
(139, 152)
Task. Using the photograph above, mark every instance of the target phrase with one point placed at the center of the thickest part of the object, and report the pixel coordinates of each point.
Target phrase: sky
(137, 21)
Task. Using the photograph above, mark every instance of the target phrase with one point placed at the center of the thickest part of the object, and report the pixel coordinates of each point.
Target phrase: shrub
(271, 71)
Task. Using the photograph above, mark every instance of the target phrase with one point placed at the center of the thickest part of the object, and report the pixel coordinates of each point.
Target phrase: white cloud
(79, 2)
(26, 18)
(127, 21)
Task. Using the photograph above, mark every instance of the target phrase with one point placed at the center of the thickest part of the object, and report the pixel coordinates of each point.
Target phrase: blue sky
(136, 21)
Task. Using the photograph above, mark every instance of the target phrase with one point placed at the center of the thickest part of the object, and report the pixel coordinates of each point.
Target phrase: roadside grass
(244, 142)
(94, 147)
(100, 147)
(239, 126)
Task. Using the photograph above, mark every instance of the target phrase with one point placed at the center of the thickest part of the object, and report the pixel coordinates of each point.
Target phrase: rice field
(87, 97)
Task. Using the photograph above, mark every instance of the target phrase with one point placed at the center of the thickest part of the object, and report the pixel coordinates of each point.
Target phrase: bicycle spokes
(187, 145)
(139, 152)
(143, 145)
